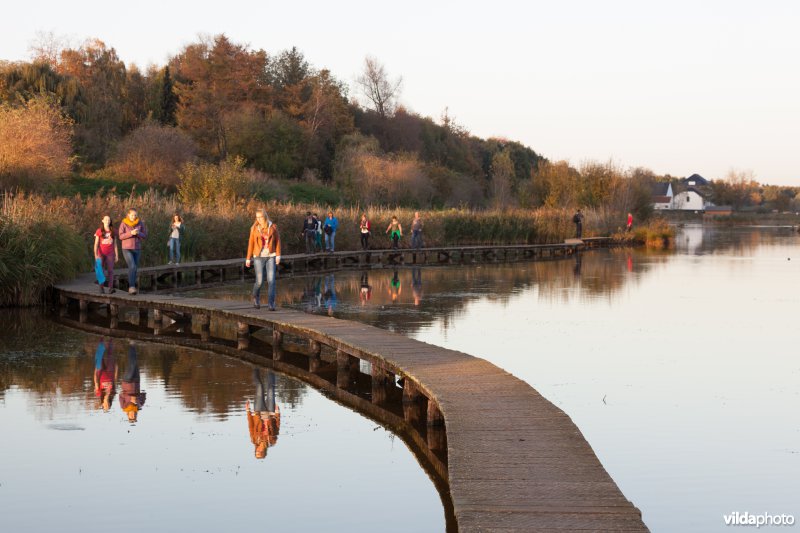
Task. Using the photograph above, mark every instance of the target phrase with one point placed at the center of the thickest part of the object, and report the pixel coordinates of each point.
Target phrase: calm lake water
(680, 368)
(187, 463)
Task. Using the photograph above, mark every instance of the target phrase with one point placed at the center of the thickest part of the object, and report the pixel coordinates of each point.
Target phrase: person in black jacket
(310, 233)
(578, 220)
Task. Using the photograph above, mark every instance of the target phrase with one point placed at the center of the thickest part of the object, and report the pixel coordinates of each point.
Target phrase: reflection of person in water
(131, 396)
(578, 263)
(330, 293)
(416, 285)
(394, 287)
(366, 289)
(105, 374)
(264, 421)
(312, 295)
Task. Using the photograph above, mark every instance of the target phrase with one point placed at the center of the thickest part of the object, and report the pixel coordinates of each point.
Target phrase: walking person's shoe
(256, 303)
(102, 291)
(112, 290)
(132, 290)
(170, 263)
(271, 307)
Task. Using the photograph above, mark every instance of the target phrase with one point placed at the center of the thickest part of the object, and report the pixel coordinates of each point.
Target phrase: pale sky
(679, 87)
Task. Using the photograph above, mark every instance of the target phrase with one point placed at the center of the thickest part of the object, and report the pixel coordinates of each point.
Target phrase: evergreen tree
(169, 100)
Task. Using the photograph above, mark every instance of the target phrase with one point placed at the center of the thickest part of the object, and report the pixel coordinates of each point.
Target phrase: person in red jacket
(365, 227)
(630, 222)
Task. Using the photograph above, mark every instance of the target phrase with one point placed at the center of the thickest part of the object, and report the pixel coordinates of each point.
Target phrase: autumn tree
(34, 143)
(501, 172)
(153, 154)
(103, 77)
(381, 92)
(213, 80)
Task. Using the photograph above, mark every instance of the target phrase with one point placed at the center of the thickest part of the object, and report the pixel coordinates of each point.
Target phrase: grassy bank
(45, 239)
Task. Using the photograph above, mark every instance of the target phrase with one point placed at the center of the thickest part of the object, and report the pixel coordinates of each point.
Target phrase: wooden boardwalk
(503, 457)
(196, 274)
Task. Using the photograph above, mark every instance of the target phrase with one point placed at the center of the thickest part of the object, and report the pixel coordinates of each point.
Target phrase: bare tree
(381, 92)
(46, 47)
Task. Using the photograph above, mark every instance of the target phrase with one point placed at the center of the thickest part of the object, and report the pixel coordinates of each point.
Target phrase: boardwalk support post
(435, 417)
(277, 342)
(242, 335)
(314, 361)
(205, 327)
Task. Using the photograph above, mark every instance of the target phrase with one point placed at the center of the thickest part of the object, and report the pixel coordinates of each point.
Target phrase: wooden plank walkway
(200, 273)
(513, 461)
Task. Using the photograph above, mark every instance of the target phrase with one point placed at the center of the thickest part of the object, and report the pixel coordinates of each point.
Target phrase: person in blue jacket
(331, 223)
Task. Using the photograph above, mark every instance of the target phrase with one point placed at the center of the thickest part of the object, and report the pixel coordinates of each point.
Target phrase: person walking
(106, 249)
(629, 226)
(577, 219)
(416, 231)
(132, 232)
(395, 231)
(365, 227)
(176, 229)
(330, 226)
(264, 247)
(309, 233)
(318, 227)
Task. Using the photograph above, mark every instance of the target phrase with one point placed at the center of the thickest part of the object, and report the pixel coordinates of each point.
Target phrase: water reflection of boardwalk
(512, 460)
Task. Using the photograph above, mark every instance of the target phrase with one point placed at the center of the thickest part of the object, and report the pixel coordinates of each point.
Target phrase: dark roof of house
(662, 199)
(697, 179)
(701, 194)
(660, 189)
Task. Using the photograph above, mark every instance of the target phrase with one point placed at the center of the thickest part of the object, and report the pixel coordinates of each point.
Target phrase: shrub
(153, 154)
(34, 144)
(206, 183)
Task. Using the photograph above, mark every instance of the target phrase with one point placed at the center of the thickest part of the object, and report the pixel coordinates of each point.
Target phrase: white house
(689, 200)
(662, 196)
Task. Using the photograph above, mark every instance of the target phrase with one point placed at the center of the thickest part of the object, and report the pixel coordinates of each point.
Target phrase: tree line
(221, 118)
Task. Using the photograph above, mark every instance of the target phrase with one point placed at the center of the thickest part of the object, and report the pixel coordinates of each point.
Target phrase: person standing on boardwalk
(310, 233)
(365, 227)
(264, 422)
(577, 219)
(395, 231)
(318, 227)
(264, 247)
(629, 226)
(132, 232)
(174, 243)
(331, 224)
(416, 231)
(106, 249)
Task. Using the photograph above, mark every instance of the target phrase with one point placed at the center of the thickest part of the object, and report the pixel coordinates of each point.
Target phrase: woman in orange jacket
(264, 247)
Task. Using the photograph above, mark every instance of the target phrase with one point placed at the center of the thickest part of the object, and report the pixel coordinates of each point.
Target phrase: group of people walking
(314, 228)
(129, 235)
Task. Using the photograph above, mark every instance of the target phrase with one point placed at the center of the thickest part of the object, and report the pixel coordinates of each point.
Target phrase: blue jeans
(174, 249)
(262, 264)
(416, 239)
(132, 260)
(329, 241)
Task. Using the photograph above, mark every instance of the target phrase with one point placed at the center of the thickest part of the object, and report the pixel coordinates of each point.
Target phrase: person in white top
(174, 243)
